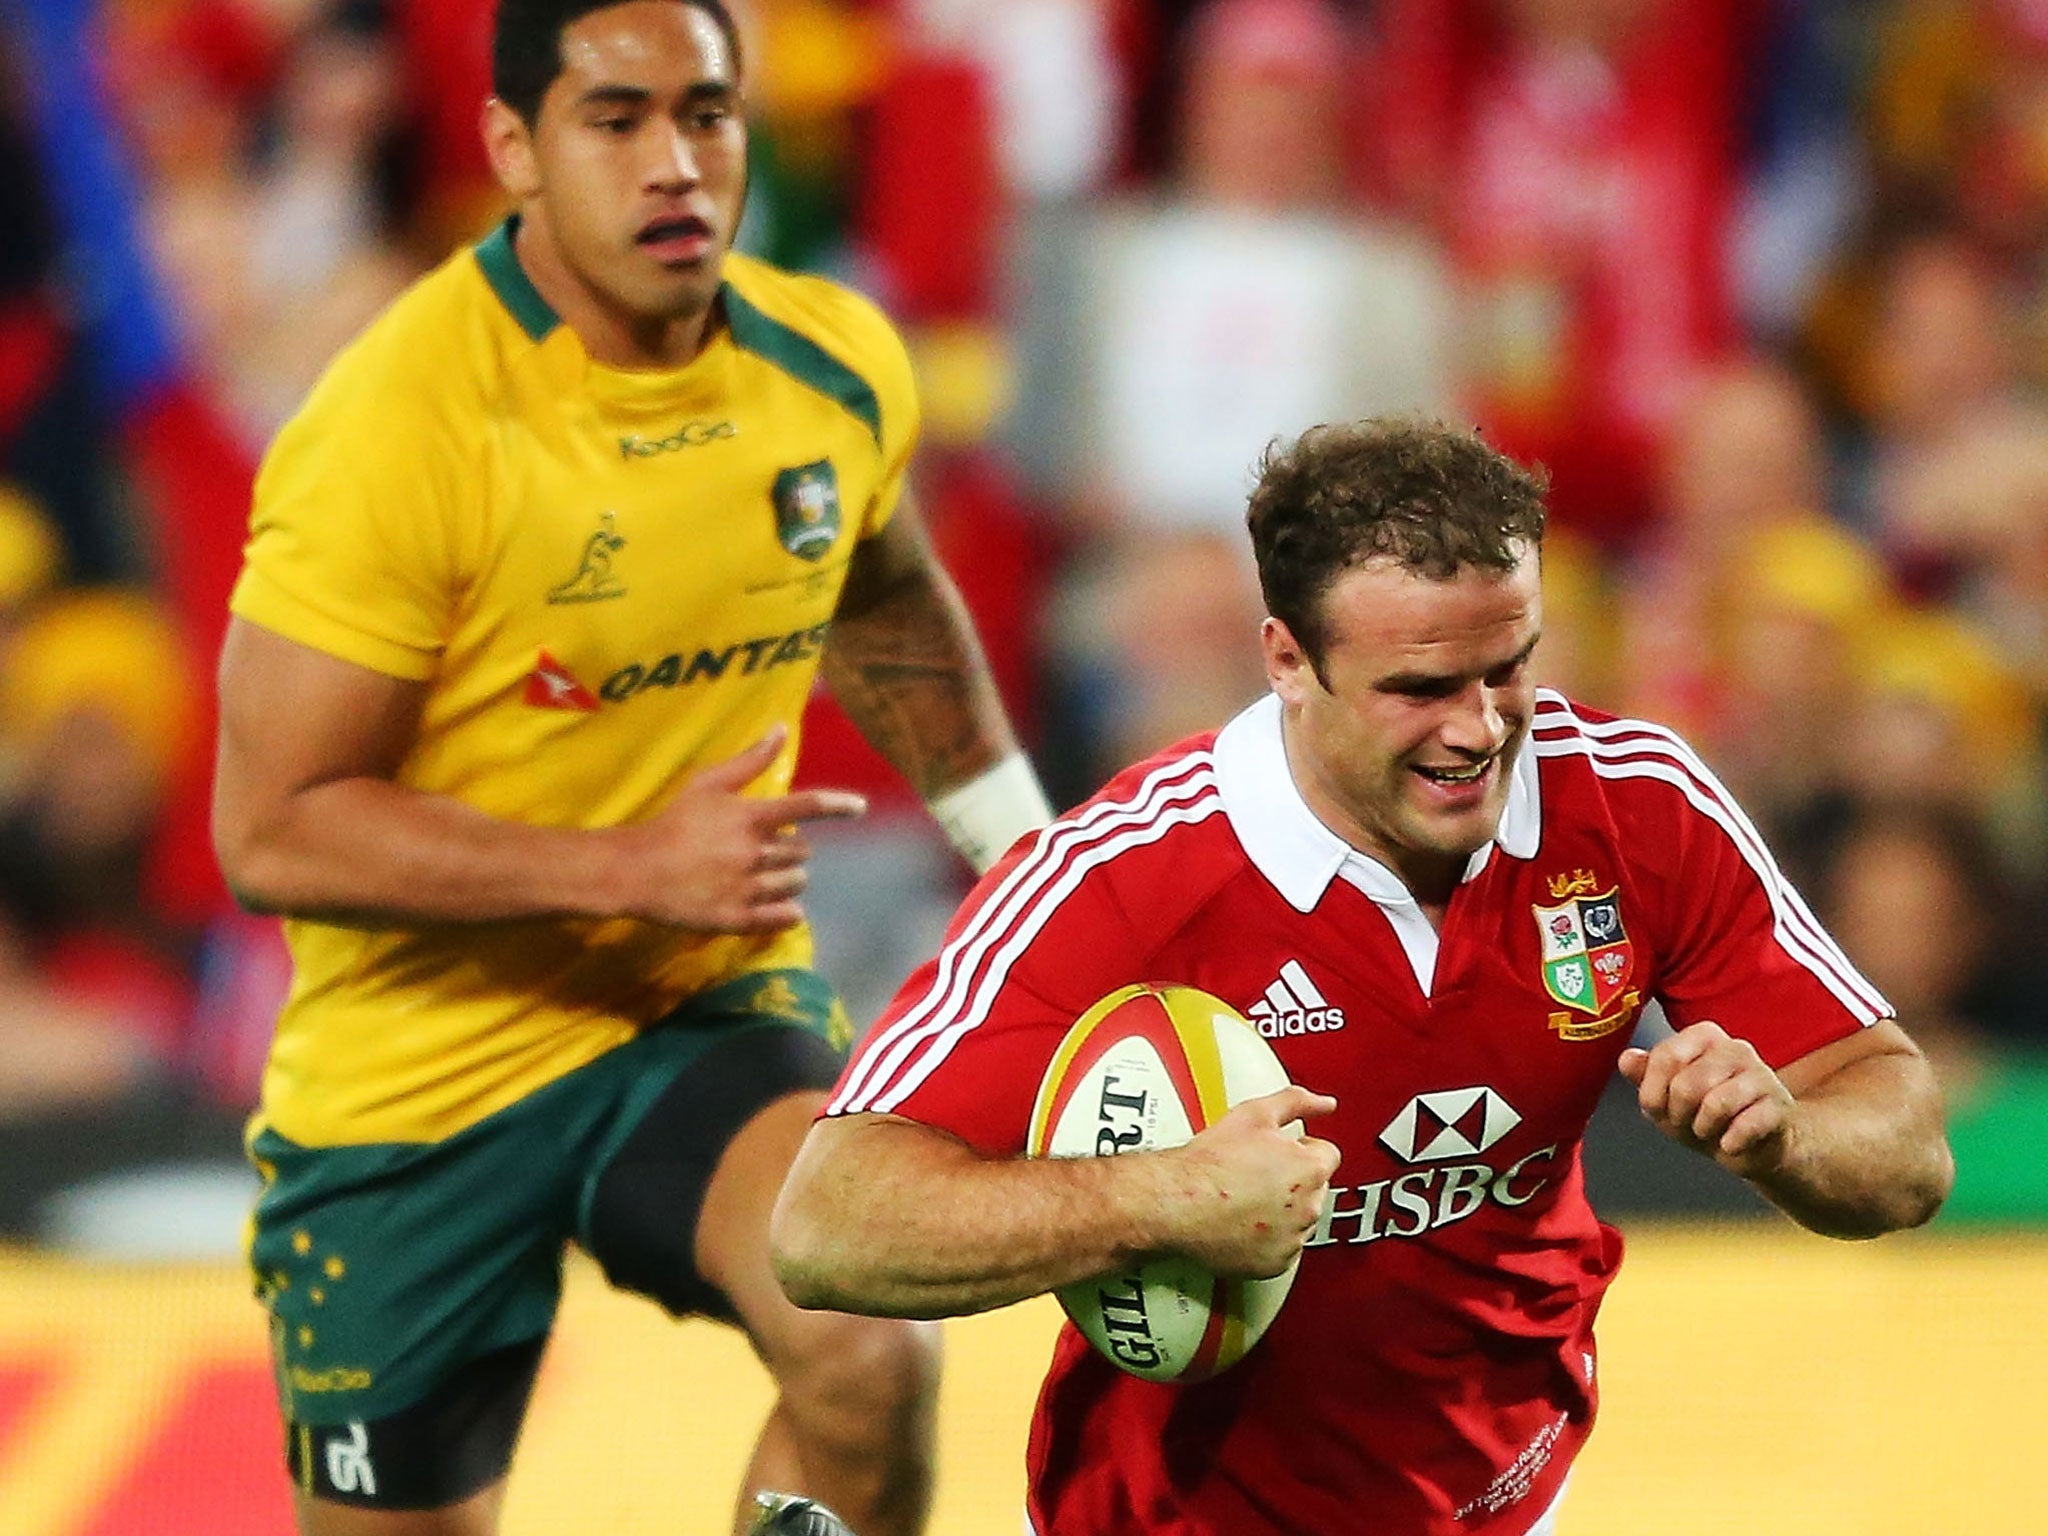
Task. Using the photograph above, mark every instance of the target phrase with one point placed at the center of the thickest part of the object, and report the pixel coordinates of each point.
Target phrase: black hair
(526, 45)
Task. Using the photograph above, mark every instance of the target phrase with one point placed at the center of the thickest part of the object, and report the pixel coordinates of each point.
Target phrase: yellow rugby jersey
(608, 580)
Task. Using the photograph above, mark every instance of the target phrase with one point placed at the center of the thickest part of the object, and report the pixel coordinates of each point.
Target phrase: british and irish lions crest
(1588, 960)
(807, 509)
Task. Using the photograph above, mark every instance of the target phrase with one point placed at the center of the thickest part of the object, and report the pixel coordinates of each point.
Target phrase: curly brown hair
(1433, 497)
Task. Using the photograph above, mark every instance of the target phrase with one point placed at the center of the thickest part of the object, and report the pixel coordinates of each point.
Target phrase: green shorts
(389, 1267)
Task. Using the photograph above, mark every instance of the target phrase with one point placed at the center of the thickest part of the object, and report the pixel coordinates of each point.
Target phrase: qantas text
(743, 659)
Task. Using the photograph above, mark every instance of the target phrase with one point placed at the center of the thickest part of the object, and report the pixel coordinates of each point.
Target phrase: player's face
(1408, 750)
(638, 157)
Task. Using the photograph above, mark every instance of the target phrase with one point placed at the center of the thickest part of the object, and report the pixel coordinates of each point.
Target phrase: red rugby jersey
(1432, 1373)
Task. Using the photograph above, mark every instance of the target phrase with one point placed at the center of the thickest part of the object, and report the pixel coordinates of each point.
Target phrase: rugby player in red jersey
(1447, 897)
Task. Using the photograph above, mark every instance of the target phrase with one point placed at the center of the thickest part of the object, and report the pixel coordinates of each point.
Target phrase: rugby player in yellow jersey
(537, 584)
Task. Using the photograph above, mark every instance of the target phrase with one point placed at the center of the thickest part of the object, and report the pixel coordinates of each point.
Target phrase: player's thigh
(680, 1211)
(650, 1218)
(865, 1366)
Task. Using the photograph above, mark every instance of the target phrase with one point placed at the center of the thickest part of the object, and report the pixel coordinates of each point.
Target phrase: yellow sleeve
(887, 363)
(353, 539)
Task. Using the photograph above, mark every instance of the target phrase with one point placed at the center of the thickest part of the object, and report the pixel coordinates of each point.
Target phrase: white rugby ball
(1146, 1068)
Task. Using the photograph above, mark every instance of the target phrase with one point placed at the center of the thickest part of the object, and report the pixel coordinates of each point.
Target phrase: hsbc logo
(1452, 1122)
(1423, 1199)
(1442, 1132)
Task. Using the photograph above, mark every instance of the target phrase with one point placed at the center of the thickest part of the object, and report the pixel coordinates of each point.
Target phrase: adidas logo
(1293, 1006)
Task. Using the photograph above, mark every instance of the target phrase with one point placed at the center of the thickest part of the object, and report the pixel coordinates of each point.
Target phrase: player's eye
(1500, 677)
(1424, 688)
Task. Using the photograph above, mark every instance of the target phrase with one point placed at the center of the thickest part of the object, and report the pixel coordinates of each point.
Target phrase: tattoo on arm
(904, 663)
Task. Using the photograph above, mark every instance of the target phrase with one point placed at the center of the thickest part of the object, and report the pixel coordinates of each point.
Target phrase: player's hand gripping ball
(1148, 1068)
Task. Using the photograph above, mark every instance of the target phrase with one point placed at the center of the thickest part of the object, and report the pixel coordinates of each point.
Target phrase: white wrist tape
(992, 810)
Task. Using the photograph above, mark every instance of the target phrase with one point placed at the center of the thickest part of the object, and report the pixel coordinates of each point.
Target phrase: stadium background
(1761, 281)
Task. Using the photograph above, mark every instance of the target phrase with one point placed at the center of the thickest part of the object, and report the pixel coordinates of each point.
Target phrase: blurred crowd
(1762, 283)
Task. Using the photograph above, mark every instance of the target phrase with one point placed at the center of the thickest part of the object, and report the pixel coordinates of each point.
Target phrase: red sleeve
(964, 1044)
(1741, 947)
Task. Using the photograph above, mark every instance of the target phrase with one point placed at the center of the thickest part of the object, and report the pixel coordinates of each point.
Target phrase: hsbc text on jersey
(1423, 1199)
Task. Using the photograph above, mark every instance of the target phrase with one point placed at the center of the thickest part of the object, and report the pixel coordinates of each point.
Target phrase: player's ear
(1288, 668)
(508, 140)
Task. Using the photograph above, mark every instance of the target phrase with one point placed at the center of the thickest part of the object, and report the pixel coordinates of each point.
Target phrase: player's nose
(672, 163)
(1476, 722)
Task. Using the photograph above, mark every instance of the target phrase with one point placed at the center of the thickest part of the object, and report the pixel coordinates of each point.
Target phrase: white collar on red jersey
(1296, 852)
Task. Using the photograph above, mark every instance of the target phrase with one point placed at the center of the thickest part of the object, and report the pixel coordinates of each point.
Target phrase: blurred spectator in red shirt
(1580, 158)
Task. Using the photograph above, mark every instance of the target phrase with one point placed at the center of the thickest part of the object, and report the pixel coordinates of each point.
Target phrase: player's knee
(858, 1380)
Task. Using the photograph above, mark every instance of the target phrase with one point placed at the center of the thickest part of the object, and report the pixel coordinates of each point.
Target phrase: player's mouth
(676, 239)
(1456, 783)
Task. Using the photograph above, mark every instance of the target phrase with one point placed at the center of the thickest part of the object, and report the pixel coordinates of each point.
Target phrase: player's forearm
(897, 1220)
(904, 663)
(365, 850)
(1864, 1152)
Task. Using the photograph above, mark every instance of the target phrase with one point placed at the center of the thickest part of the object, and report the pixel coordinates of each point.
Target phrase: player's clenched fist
(1713, 1093)
(1253, 1188)
(722, 861)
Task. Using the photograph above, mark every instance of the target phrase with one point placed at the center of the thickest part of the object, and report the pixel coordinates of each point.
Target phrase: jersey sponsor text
(1424, 1199)
(741, 659)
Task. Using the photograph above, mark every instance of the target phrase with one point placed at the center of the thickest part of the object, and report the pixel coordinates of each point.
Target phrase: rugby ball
(1147, 1068)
